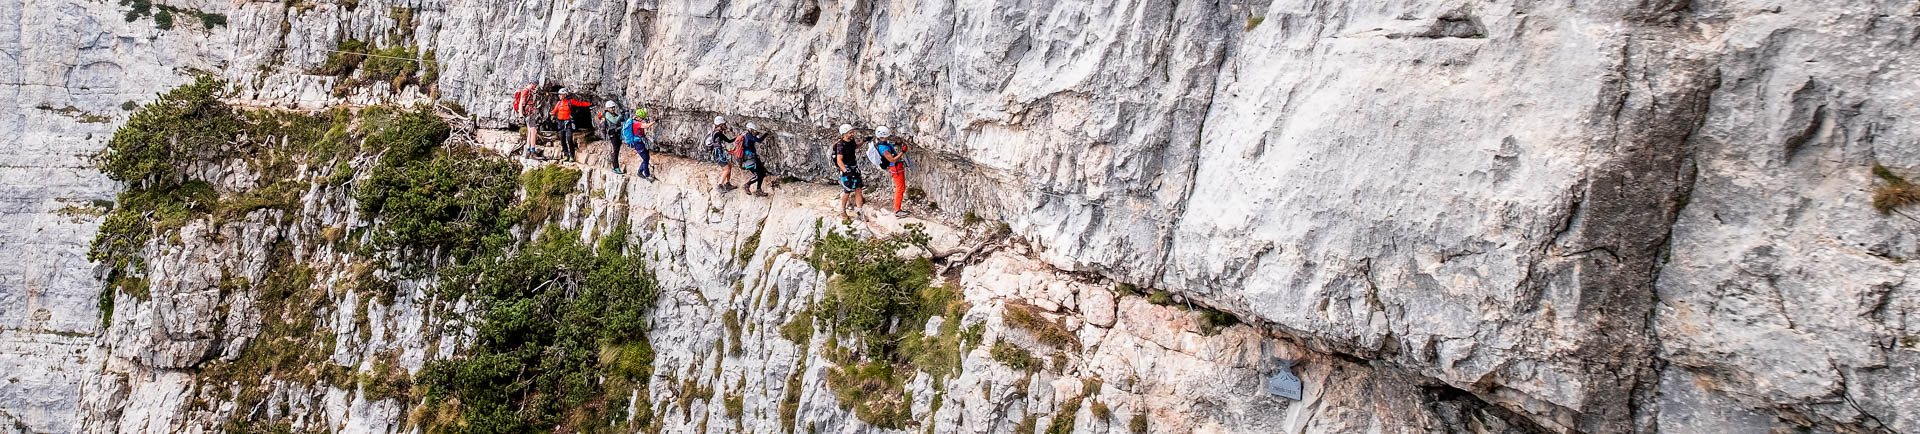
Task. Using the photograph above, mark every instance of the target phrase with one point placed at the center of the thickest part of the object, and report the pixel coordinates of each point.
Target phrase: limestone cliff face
(1578, 217)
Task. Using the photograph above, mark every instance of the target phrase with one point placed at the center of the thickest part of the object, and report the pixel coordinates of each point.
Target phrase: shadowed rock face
(1599, 218)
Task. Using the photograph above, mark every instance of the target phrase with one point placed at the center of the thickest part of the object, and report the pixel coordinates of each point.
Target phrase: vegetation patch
(1894, 193)
(1052, 332)
(547, 186)
(1212, 321)
(163, 15)
(745, 252)
(1013, 356)
(77, 114)
(162, 141)
(434, 202)
(883, 301)
(1100, 410)
(1063, 420)
(396, 65)
(556, 315)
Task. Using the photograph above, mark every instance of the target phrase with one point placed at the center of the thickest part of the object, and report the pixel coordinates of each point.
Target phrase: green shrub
(1138, 424)
(547, 187)
(1013, 356)
(397, 65)
(430, 200)
(551, 311)
(872, 287)
(799, 330)
(1160, 297)
(344, 60)
(163, 19)
(1100, 410)
(186, 124)
(875, 392)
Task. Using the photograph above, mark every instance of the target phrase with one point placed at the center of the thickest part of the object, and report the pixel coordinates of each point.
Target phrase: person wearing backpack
(634, 133)
(845, 155)
(563, 119)
(718, 142)
(893, 156)
(523, 105)
(610, 120)
(749, 155)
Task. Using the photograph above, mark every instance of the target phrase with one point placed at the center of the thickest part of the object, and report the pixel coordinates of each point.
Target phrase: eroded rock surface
(1579, 217)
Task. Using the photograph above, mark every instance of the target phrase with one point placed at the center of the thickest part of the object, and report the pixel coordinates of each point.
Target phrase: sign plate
(1283, 383)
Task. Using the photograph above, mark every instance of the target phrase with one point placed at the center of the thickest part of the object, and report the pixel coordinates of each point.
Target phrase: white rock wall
(1603, 217)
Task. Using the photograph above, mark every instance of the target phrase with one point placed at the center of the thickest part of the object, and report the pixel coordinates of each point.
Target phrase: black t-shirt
(719, 138)
(848, 151)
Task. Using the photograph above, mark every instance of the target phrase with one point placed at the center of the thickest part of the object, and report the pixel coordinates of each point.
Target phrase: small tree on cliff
(188, 123)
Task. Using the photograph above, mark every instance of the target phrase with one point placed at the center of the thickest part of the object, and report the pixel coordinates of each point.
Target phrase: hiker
(893, 157)
(845, 157)
(718, 142)
(524, 106)
(749, 155)
(610, 120)
(635, 134)
(563, 119)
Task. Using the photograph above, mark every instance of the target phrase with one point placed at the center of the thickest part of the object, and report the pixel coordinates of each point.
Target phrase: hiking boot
(900, 213)
(760, 193)
(727, 187)
(617, 171)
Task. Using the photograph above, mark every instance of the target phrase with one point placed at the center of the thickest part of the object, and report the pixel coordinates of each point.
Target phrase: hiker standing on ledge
(610, 120)
(749, 154)
(718, 141)
(563, 119)
(845, 157)
(893, 156)
(635, 134)
(524, 106)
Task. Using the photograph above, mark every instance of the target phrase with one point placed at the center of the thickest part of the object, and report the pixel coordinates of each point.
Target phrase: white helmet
(563, 91)
(844, 128)
(752, 127)
(882, 132)
(719, 120)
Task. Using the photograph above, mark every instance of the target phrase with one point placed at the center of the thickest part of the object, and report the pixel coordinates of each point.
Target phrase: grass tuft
(1048, 331)
(1895, 193)
(1013, 356)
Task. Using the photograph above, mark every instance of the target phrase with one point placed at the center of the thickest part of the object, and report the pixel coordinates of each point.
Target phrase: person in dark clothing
(846, 153)
(750, 160)
(610, 120)
(720, 143)
(563, 119)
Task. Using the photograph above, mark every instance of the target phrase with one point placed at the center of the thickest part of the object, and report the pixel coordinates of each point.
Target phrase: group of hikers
(621, 127)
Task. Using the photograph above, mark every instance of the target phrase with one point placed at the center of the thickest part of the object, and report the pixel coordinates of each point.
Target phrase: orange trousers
(899, 187)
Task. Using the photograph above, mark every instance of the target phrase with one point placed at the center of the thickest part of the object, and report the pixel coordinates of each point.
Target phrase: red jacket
(563, 110)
